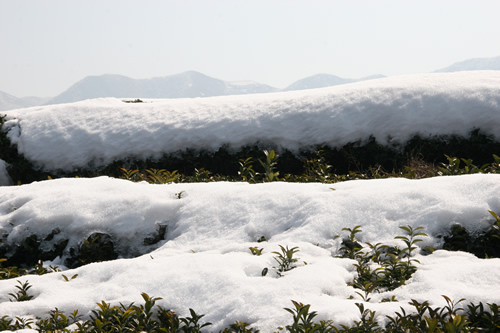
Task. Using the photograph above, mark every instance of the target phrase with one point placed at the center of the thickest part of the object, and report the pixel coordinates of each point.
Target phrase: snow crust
(97, 132)
(205, 263)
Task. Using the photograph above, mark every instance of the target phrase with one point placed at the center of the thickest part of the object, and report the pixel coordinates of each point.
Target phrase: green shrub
(394, 265)
(150, 317)
(22, 292)
(285, 259)
(95, 248)
(483, 245)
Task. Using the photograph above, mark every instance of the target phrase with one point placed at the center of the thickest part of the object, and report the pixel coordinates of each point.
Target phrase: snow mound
(94, 133)
(205, 263)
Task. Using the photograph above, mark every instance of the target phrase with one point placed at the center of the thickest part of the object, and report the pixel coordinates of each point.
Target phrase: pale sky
(47, 46)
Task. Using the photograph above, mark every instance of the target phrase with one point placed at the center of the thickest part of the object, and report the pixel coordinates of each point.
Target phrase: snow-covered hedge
(204, 261)
(95, 133)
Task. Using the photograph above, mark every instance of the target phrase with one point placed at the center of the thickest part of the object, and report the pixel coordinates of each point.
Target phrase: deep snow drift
(205, 262)
(97, 132)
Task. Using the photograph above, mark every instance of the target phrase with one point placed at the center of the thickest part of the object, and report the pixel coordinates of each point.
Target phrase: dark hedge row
(357, 156)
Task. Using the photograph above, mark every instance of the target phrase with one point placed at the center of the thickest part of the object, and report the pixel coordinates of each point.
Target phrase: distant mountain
(193, 84)
(185, 85)
(9, 102)
(324, 80)
(474, 64)
(247, 87)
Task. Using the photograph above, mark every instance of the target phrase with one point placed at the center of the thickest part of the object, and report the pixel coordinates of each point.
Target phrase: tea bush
(483, 245)
(418, 157)
(382, 267)
(149, 317)
(20, 169)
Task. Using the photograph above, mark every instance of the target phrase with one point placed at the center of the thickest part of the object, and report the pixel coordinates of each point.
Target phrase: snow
(204, 262)
(97, 132)
(4, 175)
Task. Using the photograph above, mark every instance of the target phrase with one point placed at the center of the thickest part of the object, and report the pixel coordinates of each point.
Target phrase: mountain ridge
(191, 84)
(472, 64)
(325, 80)
(10, 102)
(188, 84)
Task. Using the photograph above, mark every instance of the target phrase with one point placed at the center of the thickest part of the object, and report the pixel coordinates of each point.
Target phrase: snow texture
(4, 175)
(205, 262)
(96, 132)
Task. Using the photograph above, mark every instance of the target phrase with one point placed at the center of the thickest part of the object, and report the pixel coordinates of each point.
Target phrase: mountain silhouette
(474, 64)
(325, 80)
(184, 85)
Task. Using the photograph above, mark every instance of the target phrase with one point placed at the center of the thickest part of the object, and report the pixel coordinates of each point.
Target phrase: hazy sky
(46, 46)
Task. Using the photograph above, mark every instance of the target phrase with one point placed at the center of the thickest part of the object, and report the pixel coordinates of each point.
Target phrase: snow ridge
(97, 132)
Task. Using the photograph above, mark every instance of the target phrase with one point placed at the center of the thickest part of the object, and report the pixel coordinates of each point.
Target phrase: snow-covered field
(205, 262)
